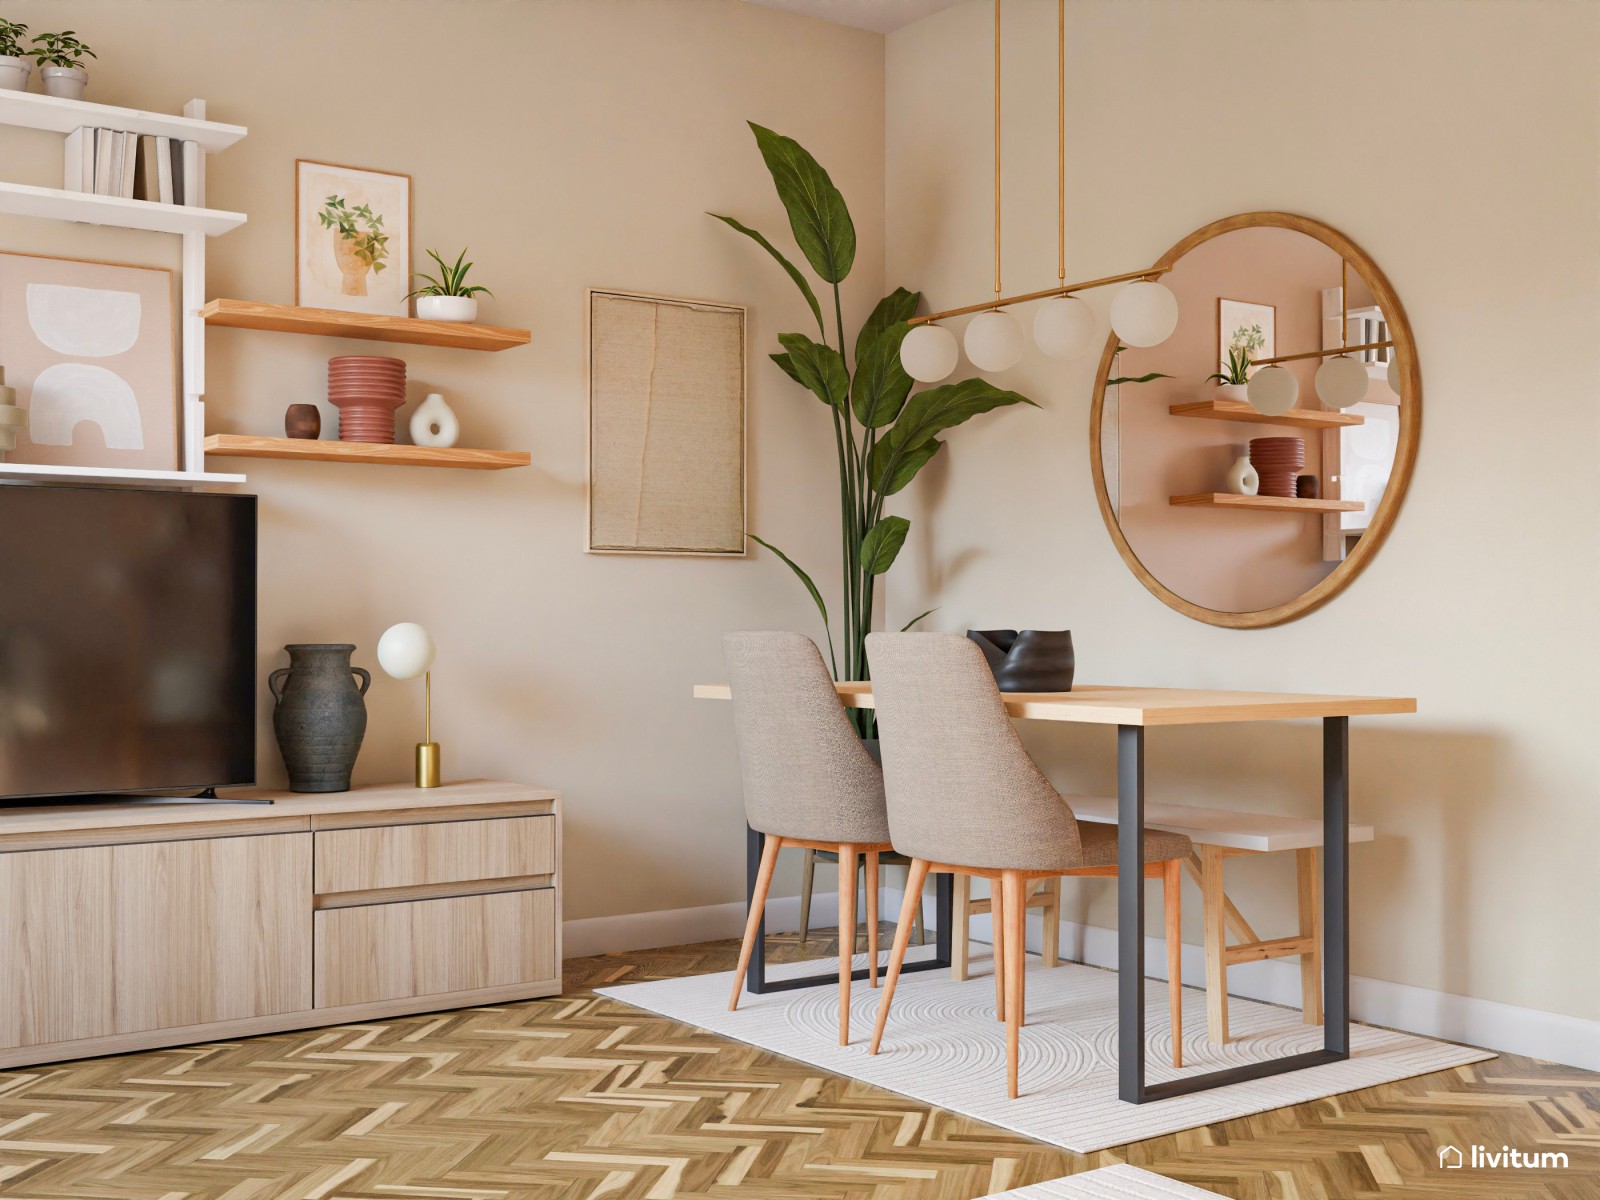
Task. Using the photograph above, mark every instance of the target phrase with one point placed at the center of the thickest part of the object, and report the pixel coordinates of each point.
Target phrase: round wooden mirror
(1233, 506)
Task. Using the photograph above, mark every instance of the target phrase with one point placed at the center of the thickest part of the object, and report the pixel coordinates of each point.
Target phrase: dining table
(1133, 710)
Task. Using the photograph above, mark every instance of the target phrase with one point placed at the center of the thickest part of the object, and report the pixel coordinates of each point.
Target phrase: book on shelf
(78, 160)
(128, 180)
(190, 193)
(105, 140)
(164, 170)
(147, 182)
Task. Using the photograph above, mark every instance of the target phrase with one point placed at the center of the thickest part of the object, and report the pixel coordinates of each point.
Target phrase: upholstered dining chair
(808, 783)
(964, 796)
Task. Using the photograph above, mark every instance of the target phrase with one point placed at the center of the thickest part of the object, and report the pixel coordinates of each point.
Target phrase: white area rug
(1120, 1182)
(943, 1046)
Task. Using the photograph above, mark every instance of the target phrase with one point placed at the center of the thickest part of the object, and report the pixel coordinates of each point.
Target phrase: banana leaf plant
(883, 434)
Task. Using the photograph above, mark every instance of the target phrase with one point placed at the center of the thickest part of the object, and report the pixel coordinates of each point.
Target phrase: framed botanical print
(1244, 326)
(352, 237)
(666, 425)
(91, 349)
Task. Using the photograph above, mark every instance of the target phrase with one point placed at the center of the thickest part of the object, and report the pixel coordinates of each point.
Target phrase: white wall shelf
(25, 200)
(36, 473)
(31, 110)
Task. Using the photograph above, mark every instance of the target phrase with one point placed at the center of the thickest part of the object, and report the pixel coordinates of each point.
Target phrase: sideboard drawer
(396, 856)
(427, 947)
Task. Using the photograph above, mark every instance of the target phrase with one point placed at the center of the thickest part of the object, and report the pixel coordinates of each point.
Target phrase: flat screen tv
(127, 641)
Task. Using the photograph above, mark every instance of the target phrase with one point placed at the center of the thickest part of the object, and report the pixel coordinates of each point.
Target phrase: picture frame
(91, 348)
(1232, 315)
(667, 387)
(352, 238)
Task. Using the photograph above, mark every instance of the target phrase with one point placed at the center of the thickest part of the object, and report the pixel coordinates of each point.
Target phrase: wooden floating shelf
(31, 110)
(1266, 503)
(24, 200)
(375, 327)
(38, 473)
(235, 445)
(1238, 410)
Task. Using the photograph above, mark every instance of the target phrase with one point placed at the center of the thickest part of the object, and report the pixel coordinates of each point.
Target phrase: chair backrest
(806, 773)
(961, 787)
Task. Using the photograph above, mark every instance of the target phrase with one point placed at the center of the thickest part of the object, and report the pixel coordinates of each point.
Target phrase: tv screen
(127, 641)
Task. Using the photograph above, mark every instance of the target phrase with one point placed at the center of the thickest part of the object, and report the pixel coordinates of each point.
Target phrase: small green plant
(1247, 339)
(59, 49)
(11, 35)
(359, 226)
(452, 280)
(1117, 380)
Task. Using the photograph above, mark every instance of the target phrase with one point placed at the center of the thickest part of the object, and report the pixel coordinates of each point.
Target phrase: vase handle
(272, 684)
(366, 678)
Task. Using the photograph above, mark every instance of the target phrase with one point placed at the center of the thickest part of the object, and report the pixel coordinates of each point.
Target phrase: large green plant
(883, 434)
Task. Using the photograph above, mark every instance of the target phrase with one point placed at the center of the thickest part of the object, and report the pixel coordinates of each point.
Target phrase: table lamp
(404, 652)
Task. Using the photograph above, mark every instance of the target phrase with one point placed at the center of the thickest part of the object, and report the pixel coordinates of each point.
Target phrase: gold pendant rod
(1061, 140)
(1328, 353)
(997, 147)
(1065, 290)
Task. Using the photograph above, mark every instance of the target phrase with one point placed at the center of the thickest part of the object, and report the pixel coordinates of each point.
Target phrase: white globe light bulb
(1144, 314)
(405, 650)
(1394, 372)
(994, 341)
(928, 353)
(1272, 391)
(1342, 382)
(1065, 327)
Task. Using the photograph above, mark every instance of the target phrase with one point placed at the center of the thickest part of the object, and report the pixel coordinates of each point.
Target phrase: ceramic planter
(14, 73)
(65, 83)
(1035, 660)
(320, 716)
(1233, 391)
(447, 308)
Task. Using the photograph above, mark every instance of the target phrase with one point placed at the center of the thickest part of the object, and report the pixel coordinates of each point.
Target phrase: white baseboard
(1553, 1037)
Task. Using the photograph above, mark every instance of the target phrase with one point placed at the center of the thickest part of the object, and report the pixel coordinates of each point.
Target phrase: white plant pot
(1234, 391)
(14, 73)
(447, 308)
(65, 83)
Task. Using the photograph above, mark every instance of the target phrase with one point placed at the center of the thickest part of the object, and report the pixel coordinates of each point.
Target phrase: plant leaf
(1136, 378)
(810, 587)
(882, 544)
(905, 467)
(817, 212)
(926, 415)
(820, 368)
(917, 618)
(788, 367)
(899, 305)
(794, 271)
(881, 385)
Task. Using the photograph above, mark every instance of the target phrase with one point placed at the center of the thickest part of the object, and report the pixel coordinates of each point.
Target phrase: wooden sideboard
(135, 924)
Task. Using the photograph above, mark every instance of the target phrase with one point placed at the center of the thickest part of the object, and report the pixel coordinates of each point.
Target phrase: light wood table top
(1099, 704)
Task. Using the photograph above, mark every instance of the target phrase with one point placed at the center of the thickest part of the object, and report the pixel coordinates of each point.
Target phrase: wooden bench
(1218, 834)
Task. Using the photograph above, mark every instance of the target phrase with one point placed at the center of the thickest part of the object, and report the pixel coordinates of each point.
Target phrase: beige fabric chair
(964, 796)
(808, 782)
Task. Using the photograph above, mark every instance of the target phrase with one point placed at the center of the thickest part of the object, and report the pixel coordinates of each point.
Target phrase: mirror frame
(1405, 451)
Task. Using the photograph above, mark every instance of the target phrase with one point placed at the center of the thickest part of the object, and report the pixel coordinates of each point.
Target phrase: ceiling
(883, 16)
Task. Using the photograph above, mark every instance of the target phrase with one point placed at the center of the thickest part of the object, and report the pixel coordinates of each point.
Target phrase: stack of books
(135, 166)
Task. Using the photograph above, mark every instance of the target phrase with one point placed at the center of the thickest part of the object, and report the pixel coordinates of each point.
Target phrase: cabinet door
(56, 950)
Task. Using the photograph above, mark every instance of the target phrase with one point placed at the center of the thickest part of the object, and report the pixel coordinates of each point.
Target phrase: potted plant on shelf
(60, 57)
(14, 65)
(449, 297)
(882, 433)
(359, 244)
(1235, 374)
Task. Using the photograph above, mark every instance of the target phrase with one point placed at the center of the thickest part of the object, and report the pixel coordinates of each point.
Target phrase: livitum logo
(1452, 1159)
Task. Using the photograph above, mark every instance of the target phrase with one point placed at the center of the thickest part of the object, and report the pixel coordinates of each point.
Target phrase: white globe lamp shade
(1342, 382)
(1144, 314)
(405, 650)
(928, 353)
(1272, 391)
(1065, 327)
(1394, 373)
(994, 341)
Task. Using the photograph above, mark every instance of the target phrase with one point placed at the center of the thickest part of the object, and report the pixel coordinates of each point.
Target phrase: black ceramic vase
(320, 716)
(1035, 660)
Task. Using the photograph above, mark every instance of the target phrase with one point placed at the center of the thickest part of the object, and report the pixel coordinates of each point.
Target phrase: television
(127, 641)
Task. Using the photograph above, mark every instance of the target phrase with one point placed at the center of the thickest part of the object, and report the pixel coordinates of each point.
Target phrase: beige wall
(568, 144)
(1479, 203)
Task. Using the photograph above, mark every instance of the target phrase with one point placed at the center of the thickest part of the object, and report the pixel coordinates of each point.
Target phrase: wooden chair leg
(998, 937)
(961, 919)
(916, 873)
(752, 925)
(808, 871)
(1052, 922)
(1016, 917)
(1310, 926)
(1213, 899)
(847, 935)
(872, 917)
(920, 926)
(1172, 902)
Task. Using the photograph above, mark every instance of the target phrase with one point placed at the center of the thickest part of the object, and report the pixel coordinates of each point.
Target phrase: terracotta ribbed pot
(1277, 460)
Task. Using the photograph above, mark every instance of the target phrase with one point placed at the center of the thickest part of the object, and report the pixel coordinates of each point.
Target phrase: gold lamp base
(427, 764)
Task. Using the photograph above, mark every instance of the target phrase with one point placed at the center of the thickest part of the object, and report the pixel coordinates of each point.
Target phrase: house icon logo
(1449, 1158)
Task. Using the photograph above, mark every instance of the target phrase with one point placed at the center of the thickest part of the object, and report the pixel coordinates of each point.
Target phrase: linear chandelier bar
(1067, 290)
(1331, 352)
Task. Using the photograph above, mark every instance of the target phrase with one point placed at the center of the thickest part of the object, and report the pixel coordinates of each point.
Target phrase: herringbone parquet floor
(582, 1098)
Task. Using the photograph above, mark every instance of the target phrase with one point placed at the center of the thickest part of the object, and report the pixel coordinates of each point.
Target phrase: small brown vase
(1308, 487)
(302, 421)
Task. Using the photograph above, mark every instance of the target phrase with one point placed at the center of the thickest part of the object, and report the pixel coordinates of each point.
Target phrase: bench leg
(959, 943)
(1052, 921)
(1310, 926)
(1214, 901)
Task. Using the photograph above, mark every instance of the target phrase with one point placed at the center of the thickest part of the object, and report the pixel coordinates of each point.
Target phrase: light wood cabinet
(398, 856)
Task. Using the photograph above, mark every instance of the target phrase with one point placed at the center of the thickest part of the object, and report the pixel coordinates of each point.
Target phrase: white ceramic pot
(1233, 391)
(66, 83)
(1242, 477)
(14, 73)
(447, 308)
(433, 424)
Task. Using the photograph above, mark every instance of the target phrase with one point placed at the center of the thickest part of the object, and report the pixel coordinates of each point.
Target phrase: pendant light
(929, 353)
(1341, 381)
(1065, 326)
(1393, 374)
(993, 339)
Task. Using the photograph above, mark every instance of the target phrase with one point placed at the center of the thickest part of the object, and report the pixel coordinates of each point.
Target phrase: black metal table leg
(756, 981)
(1130, 925)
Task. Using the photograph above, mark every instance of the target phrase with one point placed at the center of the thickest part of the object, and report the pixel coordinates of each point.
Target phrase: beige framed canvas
(666, 425)
(90, 347)
(1251, 327)
(352, 238)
